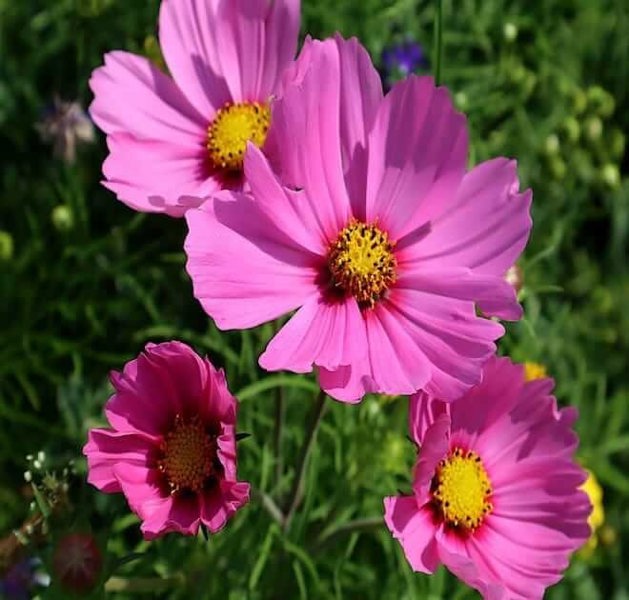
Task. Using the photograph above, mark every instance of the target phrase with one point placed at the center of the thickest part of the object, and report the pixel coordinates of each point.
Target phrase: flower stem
(279, 424)
(269, 505)
(297, 491)
(357, 525)
(145, 585)
(279, 431)
(438, 41)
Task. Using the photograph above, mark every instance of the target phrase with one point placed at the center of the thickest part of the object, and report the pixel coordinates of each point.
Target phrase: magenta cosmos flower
(171, 448)
(495, 491)
(379, 236)
(187, 135)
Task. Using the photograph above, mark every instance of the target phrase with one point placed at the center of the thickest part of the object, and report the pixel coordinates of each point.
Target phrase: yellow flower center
(461, 490)
(233, 126)
(188, 455)
(534, 371)
(362, 263)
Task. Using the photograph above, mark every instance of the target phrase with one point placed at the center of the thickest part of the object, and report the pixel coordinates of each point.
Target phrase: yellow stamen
(233, 126)
(362, 263)
(188, 455)
(462, 490)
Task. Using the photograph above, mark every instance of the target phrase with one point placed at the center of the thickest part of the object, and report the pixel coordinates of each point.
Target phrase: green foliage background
(86, 282)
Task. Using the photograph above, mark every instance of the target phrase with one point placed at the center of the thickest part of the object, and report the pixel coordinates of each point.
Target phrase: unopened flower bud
(572, 129)
(593, 128)
(610, 176)
(6, 246)
(551, 145)
(510, 31)
(601, 101)
(515, 277)
(77, 562)
(62, 217)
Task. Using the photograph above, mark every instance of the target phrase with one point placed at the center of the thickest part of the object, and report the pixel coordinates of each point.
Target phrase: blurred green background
(86, 282)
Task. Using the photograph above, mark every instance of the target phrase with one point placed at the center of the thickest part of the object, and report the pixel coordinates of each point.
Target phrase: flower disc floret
(188, 455)
(462, 489)
(233, 126)
(362, 263)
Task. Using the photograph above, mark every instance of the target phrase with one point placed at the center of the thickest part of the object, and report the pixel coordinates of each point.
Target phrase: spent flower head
(65, 125)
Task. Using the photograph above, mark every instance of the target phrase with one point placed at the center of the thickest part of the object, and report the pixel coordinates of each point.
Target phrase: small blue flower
(401, 59)
(20, 579)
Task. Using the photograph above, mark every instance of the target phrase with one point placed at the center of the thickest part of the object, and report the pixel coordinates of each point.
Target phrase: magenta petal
(132, 95)
(156, 514)
(361, 94)
(485, 228)
(291, 212)
(308, 113)
(472, 573)
(398, 366)
(446, 332)
(423, 411)
(322, 333)
(106, 448)
(417, 156)
(244, 270)
(492, 293)
(185, 514)
(228, 51)
(434, 446)
(415, 529)
(141, 485)
(348, 384)
(150, 175)
(217, 508)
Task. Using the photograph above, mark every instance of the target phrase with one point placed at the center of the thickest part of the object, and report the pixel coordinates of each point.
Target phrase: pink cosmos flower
(495, 491)
(187, 135)
(373, 230)
(171, 448)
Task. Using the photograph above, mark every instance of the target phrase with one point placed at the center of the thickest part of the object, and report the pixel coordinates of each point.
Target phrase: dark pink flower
(371, 228)
(187, 134)
(171, 448)
(496, 494)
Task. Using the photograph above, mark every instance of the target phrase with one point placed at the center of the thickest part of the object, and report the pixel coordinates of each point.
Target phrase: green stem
(143, 585)
(269, 505)
(368, 524)
(438, 41)
(279, 432)
(279, 426)
(297, 491)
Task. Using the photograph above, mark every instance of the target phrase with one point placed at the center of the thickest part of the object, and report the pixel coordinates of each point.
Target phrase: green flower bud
(6, 246)
(461, 100)
(510, 31)
(572, 129)
(616, 143)
(601, 101)
(579, 101)
(62, 217)
(551, 145)
(610, 176)
(558, 167)
(593, 128)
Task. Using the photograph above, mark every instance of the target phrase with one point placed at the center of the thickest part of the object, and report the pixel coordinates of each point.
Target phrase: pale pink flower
(187, 135)
(496, 494)
(171, 448)
(380, 237)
